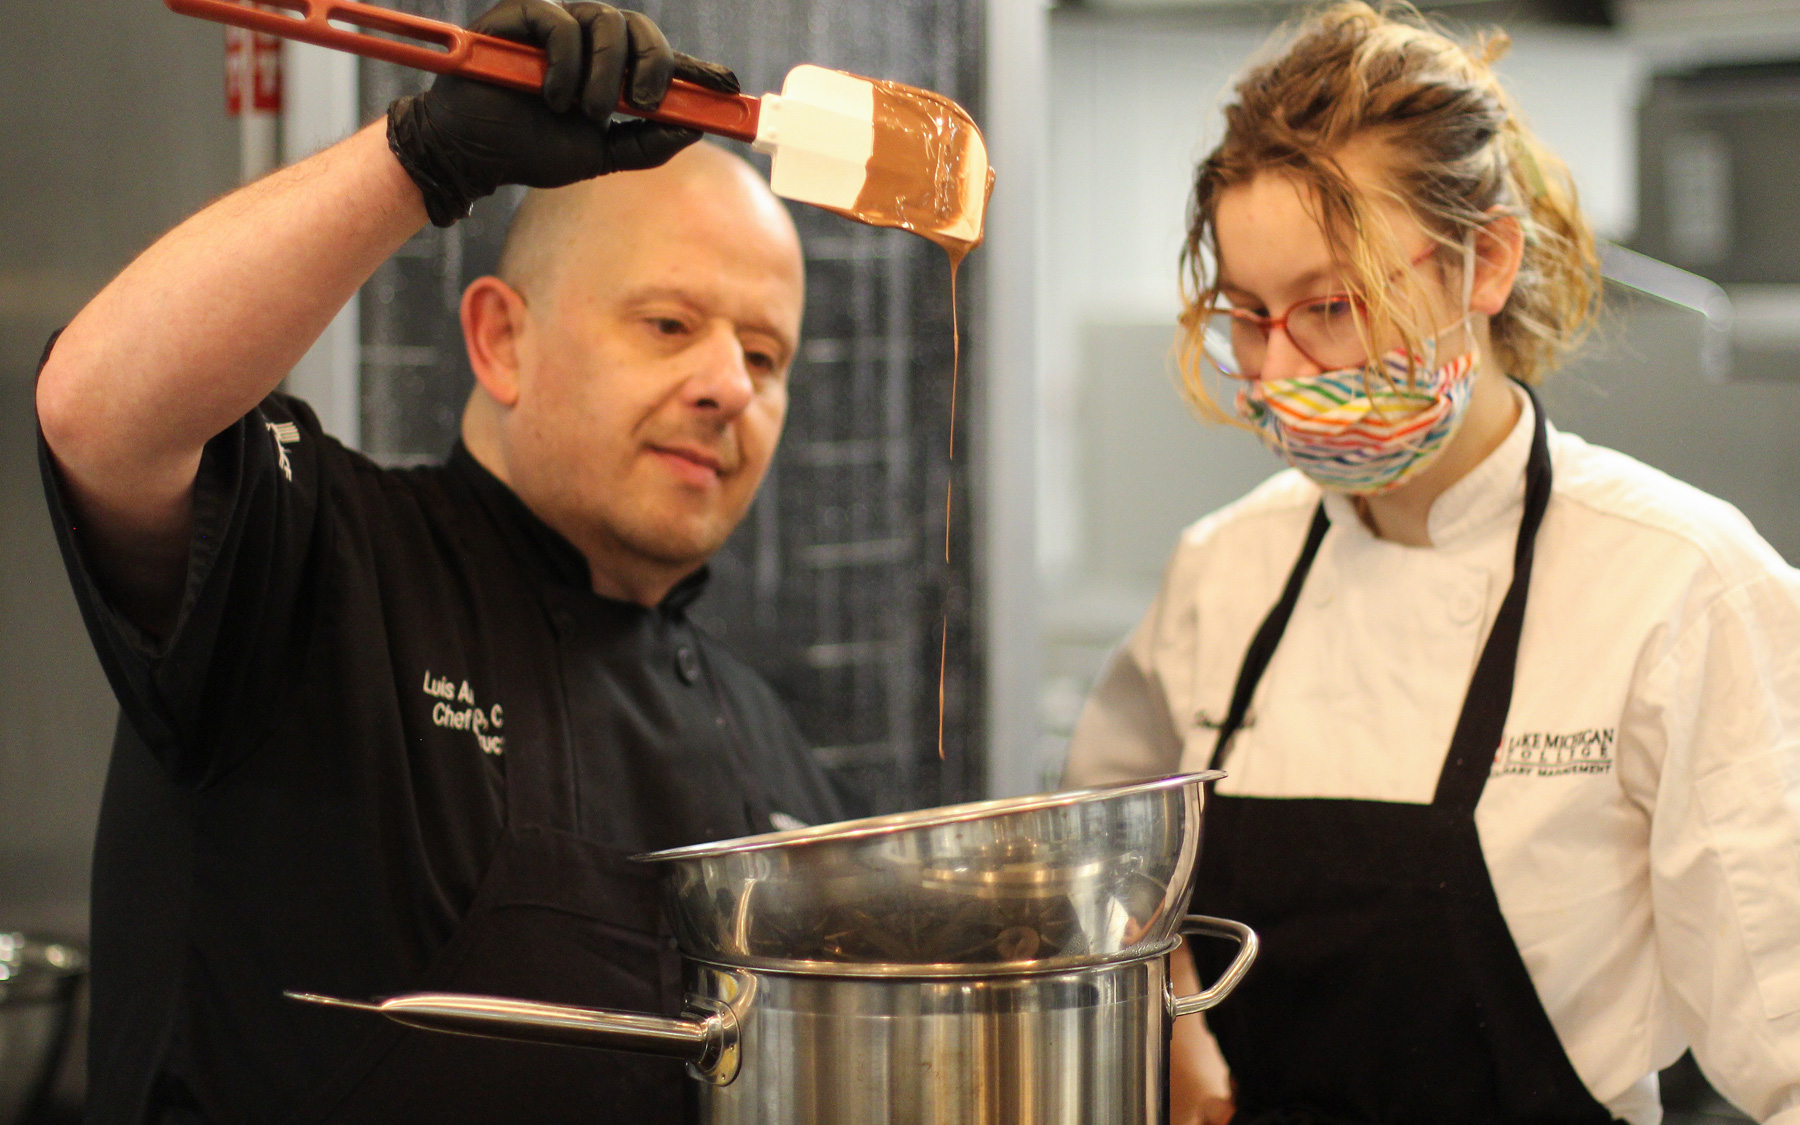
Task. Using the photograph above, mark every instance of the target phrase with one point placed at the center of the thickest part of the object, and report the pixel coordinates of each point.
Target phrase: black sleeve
(203, 697)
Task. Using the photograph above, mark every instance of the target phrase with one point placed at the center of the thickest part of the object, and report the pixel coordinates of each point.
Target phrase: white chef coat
(1642, 821)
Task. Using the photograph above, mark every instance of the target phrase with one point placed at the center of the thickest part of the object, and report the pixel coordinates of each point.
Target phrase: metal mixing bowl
(38, 980)
(1026, 885)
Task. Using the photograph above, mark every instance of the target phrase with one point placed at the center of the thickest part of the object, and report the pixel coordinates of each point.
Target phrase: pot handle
(705, 1036)
(1228, 980)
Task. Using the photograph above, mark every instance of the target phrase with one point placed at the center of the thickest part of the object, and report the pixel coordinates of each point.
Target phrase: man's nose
(1282, 359)
(721, 378)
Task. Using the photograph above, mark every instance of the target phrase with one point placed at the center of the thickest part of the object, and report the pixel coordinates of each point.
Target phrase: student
(1512, 722)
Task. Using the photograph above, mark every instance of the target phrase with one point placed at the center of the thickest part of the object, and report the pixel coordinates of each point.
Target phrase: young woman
(1512, 722)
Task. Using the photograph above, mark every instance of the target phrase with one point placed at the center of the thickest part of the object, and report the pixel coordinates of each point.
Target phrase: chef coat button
(687, 664)
(1465, 607)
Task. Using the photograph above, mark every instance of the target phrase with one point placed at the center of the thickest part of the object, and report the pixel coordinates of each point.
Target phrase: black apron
(1389, 988)
(558, 918)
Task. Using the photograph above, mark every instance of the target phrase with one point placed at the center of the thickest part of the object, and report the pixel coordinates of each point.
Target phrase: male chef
(396, 730)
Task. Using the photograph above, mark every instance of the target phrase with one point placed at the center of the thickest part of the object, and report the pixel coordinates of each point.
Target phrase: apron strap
(1482, 724)
(1268, 636)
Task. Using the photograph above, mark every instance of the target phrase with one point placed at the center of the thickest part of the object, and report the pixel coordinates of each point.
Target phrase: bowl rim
(935, 970)
(924, 818)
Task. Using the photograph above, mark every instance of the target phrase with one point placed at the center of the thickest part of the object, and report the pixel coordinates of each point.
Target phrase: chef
(391, 730)
(1512, 722)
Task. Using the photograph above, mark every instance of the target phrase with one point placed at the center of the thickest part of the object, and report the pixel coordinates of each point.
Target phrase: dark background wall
(113, 129)
(836, 587)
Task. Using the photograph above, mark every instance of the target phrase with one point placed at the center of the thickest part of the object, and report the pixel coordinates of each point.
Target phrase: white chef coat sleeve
(1720, 711)
(1126, 730)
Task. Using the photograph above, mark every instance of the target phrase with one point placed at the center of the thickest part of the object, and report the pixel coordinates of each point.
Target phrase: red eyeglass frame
(1268, 324)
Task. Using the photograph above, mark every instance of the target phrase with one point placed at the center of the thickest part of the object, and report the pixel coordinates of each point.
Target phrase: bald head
(557, 228)
(631, 361)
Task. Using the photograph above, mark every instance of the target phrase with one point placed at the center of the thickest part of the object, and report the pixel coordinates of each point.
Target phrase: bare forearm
(191, 336)
(209, 319)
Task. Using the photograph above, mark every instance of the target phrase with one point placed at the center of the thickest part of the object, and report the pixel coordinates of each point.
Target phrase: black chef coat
(308, 779)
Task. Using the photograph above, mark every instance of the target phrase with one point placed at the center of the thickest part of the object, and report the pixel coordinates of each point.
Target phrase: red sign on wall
(252, 72)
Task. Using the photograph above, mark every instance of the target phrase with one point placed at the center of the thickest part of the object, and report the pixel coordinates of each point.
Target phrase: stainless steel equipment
(38, 980)
(1003, 961)
(1086, 1046)
(1029, 884)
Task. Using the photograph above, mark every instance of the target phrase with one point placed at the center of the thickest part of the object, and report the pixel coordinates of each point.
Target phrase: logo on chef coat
(285, 434)
(454, 708)
(1543, 754)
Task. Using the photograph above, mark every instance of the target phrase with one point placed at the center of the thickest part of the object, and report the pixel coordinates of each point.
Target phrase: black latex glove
(462, 138)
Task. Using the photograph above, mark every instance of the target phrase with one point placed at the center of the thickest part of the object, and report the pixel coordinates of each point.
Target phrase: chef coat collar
(1491, 492)
(542, 548)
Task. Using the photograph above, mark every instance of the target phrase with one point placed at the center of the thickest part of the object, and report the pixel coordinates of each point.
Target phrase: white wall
(1131, 111)
(1017, 72)
(319, 110)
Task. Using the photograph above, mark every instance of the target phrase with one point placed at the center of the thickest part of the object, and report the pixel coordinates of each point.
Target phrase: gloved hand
(462, 138)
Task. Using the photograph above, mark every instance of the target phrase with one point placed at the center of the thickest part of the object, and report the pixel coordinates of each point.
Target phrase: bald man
(384, 730)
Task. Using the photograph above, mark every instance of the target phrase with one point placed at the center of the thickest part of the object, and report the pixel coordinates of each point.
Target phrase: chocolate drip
(918, 180)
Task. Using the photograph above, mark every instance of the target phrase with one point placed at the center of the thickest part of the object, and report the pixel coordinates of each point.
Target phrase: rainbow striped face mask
(1369, 429)
(1359, 430)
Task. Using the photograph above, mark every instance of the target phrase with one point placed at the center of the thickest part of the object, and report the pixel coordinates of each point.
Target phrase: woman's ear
(494, 321)
(1499, 248)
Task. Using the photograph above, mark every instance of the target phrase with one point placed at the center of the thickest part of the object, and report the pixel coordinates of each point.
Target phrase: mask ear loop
(1468, 301)
(1468, 284)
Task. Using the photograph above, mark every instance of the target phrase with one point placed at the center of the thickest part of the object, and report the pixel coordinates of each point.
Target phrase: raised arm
(192, 335)
(211, 318)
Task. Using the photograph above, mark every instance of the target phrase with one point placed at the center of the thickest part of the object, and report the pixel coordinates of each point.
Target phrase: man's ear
(494, 321)
(1499, 248)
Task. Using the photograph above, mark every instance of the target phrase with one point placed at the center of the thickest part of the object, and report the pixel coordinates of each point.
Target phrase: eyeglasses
(1327, 330)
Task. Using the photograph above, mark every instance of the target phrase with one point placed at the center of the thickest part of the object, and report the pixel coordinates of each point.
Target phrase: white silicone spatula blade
(821, 132)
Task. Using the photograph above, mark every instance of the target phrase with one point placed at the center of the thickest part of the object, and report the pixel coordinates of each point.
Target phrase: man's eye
(668, 325)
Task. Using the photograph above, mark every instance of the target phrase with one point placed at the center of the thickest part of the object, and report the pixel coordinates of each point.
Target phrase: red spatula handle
(444, 48)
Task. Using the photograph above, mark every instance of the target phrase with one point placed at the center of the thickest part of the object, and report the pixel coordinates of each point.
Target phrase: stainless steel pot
(1003, 961)
(38, 980)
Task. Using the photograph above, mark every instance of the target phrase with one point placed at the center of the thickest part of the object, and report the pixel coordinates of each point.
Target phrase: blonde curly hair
(1458, 150)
